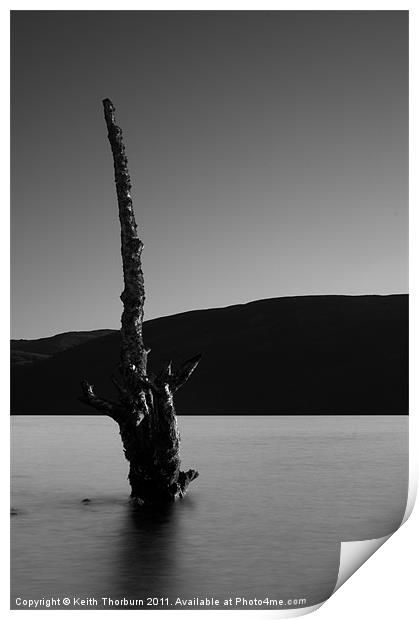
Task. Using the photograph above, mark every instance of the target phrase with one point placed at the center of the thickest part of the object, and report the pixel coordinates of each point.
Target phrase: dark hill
(292, 355)
(53, 344)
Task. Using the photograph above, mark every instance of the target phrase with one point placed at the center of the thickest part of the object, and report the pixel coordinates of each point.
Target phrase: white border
(385, 587)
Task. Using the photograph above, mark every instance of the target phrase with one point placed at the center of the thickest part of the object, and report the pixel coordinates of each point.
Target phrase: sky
(268, 152)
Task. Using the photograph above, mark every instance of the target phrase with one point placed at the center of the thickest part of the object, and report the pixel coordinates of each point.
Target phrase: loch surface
(274, 499)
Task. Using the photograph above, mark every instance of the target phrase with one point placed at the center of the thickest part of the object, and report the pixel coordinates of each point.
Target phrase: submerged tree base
(147, 493)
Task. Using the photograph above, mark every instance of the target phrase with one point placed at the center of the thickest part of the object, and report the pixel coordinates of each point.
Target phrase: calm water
(275, 497)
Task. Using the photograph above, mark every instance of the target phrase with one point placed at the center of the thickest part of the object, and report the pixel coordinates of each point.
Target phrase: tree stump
(145, 412)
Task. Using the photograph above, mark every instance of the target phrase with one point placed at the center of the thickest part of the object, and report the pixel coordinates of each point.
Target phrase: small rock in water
(86, 501)
(14, 511)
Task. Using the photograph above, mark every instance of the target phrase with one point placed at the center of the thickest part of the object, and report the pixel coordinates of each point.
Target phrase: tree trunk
(145, 411)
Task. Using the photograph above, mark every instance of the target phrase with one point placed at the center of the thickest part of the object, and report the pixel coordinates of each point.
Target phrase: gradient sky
(268, 153)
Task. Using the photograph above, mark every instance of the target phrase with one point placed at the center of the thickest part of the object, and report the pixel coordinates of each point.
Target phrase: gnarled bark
(145, 411)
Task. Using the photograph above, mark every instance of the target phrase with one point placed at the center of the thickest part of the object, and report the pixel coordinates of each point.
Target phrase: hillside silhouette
(290, 355)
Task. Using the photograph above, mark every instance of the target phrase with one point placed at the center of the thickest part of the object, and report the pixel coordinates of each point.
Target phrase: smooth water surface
(275, 497)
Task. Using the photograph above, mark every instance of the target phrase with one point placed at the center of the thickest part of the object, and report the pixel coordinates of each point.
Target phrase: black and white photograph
(209, 305)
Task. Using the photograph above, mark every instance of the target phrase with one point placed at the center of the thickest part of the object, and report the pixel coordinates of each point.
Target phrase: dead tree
(145, 412)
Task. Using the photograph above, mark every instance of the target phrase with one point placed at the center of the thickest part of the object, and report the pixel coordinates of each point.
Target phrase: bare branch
(107, 407)
(165, 374)
(181, 377)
